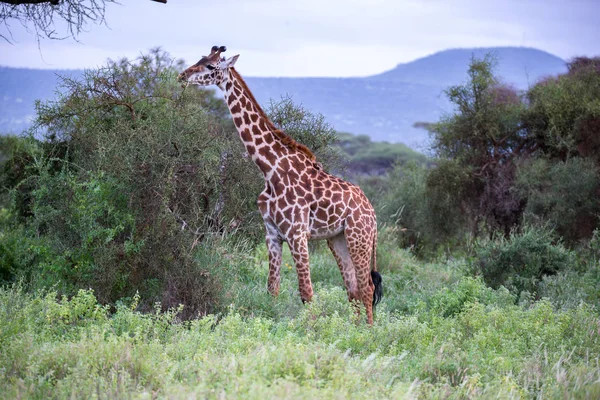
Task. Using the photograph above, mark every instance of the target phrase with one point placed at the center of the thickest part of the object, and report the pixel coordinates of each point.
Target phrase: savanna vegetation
(365, 158)
(132, 262)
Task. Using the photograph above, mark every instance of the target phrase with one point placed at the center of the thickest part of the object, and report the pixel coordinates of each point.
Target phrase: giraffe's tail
(375, 276)
(378, 292)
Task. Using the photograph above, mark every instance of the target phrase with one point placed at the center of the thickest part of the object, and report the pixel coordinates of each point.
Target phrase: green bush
(570, 289)
(520, 261)
(405, 205)
(460, 296)
(124, 186)
(580, 284)
(425, 205)
(563, 194)
(564, 115)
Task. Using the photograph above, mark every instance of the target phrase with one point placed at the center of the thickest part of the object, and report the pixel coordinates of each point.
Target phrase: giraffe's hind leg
(274, 246)
(360, 247)
(339, 248)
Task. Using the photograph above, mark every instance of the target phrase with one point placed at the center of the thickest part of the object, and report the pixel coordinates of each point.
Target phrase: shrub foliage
(132, 176)
(520, 261)
(504, 159)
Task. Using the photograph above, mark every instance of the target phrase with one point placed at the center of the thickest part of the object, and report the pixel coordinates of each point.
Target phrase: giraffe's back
(300, 196)
(336, 204)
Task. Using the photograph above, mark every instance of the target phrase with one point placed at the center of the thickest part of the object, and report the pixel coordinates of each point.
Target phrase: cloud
(319, 37)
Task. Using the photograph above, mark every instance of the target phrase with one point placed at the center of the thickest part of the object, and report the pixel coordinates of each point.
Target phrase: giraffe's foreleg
(299, 249)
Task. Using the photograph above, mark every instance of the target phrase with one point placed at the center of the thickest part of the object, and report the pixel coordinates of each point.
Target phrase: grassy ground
(439, 333)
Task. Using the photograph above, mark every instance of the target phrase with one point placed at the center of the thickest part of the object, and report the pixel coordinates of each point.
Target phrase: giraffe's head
(210, 70)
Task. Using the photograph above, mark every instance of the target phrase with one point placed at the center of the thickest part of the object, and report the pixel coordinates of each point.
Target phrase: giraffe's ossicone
(300, 201)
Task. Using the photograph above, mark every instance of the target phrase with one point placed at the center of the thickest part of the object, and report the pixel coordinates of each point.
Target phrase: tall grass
(438, 333)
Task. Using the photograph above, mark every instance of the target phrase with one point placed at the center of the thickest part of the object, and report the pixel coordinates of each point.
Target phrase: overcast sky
(317, 37)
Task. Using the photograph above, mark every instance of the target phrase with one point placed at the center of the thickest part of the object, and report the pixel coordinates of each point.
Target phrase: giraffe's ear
(231, 61)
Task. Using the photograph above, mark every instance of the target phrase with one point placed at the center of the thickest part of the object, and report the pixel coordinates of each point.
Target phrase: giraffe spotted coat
(300, 201)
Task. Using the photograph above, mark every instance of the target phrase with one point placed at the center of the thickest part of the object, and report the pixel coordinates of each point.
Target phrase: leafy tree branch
(52, 19)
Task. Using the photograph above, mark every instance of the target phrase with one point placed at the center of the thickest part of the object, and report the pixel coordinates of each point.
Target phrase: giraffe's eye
(210, 67)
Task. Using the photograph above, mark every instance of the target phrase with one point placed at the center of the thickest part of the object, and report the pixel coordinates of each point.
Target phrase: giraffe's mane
(285, 139)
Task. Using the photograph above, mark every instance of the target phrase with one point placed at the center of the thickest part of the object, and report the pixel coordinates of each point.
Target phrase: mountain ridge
(383, 106)
(523, 61)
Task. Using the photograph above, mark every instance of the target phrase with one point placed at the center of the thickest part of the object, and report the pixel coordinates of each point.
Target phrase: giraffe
(300, 201)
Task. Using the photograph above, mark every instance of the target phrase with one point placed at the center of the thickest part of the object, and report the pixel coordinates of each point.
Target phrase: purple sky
(317, 37)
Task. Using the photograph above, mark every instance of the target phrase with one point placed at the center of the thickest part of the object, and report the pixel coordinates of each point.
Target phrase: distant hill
(383, 106)
(518, 66)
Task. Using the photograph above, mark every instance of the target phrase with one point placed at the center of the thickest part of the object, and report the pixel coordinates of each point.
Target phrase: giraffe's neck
(256, 130)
